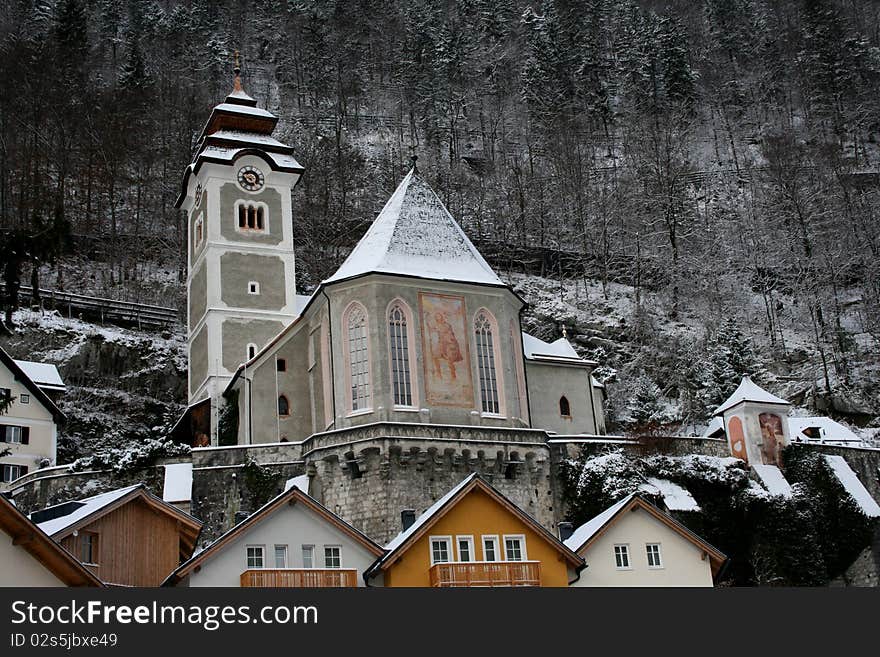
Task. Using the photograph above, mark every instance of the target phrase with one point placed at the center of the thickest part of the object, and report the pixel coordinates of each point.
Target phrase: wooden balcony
(487, 573)
(309, 578)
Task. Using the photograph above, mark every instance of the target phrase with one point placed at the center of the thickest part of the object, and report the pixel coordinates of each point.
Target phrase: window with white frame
(281, 556)
(486, 366)
(398, 336)
(465, 546)
(441, 549)
(515, 548)
(490, 548)
(308, 555)
(654, 560)
(9, 472)
(621, 557)
(256, 556)
(358, 358)
(332, 556)
(253, 287)
(13, 434)
(24, 399)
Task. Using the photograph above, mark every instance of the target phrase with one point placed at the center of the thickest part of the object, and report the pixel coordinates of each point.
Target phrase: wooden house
(126, 537)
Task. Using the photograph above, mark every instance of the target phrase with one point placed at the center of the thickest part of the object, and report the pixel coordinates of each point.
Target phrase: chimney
(565, 530)
(407, 518)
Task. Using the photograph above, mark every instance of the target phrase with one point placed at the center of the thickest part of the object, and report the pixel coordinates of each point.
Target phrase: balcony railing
(487, 573)
(315, 578)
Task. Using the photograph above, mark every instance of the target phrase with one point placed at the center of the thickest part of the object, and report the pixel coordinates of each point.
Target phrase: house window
(12, 472)
(308, 552)
(564, 407)
(255, 555)
(621, 557)
(332, 556)
(24, 399)
(281, 364)
(253, 287)
(14, 434)
(251, 216)
(281, 556)
(465, 548)
(515, 548)
(251, 351)
(358, 357)
(441, 549)
(5, 394)
(490, 548)
(88, 547)
(283, 406)
(483, 332)
(654, 560)
(398, 336)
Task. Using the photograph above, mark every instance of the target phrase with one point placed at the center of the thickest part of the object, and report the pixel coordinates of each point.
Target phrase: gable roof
(37, 543)
(558, 351)
(76, 514)
(586, 534)
(414, 235)
(20, 375)
(292, 495)
(436, 511)
(749, 391)
(830, 431)
(45, 375)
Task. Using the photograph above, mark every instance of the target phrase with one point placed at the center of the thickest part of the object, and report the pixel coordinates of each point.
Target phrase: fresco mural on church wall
(772, 437)
(447, 362)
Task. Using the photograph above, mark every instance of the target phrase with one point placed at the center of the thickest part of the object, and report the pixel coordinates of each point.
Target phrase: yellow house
(474, 536)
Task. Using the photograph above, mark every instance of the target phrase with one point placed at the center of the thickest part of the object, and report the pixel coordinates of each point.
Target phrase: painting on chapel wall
(447, 362)
(772, 438)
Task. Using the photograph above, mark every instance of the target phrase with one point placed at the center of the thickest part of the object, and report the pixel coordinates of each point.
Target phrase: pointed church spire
(236, 70)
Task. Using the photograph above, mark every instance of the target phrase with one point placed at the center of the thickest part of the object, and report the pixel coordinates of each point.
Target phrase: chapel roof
(749, 391)
(415, 235)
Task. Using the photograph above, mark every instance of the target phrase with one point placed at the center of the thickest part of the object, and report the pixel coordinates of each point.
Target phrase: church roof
(414, 235)
(749, 391)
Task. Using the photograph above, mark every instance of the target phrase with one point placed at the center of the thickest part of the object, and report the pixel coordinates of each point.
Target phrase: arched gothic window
(399, 350)
(358, 357)
(484, 334)
(283, 406)
(564, 407)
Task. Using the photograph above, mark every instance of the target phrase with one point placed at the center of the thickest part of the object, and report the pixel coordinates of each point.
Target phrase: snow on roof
(45, 375)
(239, 94)
(749, 391)
(595, 382)
(300, 302)
(301, 482)
(178, 482)
(226, 154)
(248, 137)
(586, 531)
(415, 235)
(401, 538)
(716, 424)
(830, 432)
(772, 479)
(89, 506)
(235, 108)
(675, 497)
(853, 486)
(536, 348)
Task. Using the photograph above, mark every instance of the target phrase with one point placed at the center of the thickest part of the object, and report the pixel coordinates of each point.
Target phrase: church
(414, 327)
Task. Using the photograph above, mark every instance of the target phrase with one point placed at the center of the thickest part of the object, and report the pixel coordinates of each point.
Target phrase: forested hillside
(656, 168)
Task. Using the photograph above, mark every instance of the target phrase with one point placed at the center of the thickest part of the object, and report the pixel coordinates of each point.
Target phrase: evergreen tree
(646, 408)
(729, 357)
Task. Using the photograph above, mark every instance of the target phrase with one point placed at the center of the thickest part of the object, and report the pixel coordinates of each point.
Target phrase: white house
(29, 426)
(633, 543)
(291, 542)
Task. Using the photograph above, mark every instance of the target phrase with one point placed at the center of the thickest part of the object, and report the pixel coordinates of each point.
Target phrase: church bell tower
(236, 197)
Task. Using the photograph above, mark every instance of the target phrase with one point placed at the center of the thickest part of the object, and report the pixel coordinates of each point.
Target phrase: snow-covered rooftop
(536, 349)
(830, 432)
(235, 108)
(586, 531)
(45, 375)
(224, 154)
(772, 479)
(301, 482)
(248, 137)
(414, 235)
(88, 506)
(749, 391)
(675, 497)
(178, 482)
(853, 486)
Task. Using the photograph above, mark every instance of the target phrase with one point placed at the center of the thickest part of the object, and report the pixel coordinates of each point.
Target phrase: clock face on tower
(250, 178)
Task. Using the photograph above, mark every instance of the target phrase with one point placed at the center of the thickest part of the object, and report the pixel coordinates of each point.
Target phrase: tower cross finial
(236, 69)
